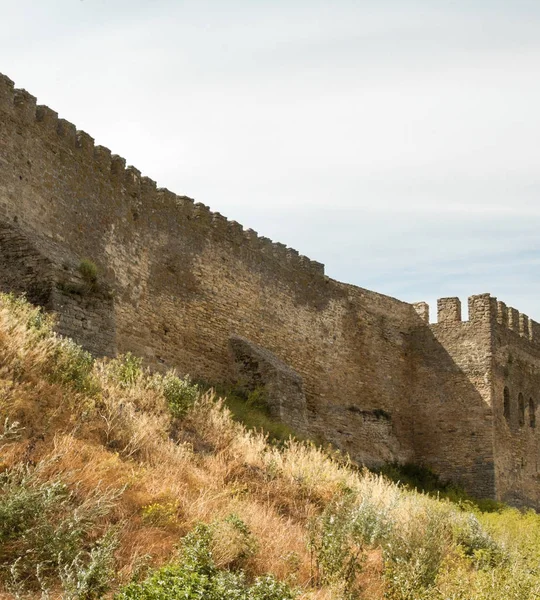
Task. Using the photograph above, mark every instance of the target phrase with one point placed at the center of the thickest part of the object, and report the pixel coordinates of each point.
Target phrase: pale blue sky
(398, 142)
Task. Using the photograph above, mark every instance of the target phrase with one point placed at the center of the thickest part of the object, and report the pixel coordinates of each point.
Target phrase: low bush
(414, 552)
(73, 366)
(125, 371)
(88, 270)
(47, 533)
(336, 547)
(90, 574)
(196, 576)
(180, 394)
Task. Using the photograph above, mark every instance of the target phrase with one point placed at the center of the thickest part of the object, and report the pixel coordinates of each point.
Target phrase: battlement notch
(47, 117)
(68, 131)
(103, 158)
(502, 314)
(85, 142)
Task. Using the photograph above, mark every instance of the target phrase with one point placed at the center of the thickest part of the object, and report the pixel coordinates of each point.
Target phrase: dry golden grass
(117, 441)
(117, 444)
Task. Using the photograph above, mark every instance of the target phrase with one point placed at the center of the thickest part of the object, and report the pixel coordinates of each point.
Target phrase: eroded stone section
(85, 311)
(49, 277)
(23, 268)
(370, 429)
(283, 387)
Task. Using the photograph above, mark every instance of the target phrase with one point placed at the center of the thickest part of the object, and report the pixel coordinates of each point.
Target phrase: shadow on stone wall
(84, 309)
(258, 368)
(450, 403)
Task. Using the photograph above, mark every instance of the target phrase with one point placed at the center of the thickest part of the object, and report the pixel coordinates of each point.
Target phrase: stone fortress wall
(181, 285)
(516, 388)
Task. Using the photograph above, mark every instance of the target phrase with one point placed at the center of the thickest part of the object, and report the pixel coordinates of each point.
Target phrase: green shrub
(227, 541)
(91, 573)
(125, 370)
(371, 524)
(477, 543)
(177, 582)
(269, 588)
(45, 531)
(336, 551)
(196, 577)
(196, 550)
(180, 394)
(413, 554)
(88, 271)
(168, 583)
(232, 542)
(73, 366)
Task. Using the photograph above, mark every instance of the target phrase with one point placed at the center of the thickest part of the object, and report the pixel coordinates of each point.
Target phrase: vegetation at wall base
(120, 483)
(251, 410)
(423, 479)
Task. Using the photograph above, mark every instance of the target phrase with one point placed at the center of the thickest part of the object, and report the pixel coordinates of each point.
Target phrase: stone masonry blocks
(448, 310)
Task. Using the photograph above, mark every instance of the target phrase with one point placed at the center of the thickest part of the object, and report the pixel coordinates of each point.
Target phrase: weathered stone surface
(178, 282)
(283, 387)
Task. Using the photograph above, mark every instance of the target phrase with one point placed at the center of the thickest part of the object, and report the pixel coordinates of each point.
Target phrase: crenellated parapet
(482, 308)
(519, 323)
(142, 190)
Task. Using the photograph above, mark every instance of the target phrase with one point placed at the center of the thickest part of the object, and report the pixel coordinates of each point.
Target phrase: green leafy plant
(196, 575)
(180, 394)
(125, 370)
(73, 366)
(337, 552)
(414, 552)
(90, 574)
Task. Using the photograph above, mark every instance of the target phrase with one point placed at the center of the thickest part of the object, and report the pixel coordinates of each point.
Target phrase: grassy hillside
(118, 483)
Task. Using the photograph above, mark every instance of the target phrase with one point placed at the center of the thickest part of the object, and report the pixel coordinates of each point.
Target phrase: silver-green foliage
(337, 547)
(45, 530)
